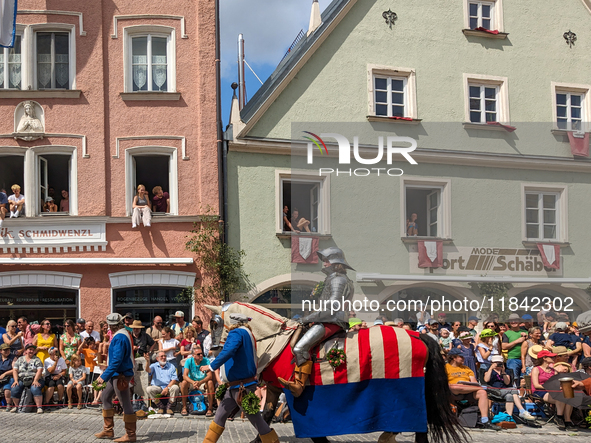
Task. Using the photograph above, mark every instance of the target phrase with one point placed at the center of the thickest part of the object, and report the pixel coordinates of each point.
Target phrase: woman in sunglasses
(13, 338)
(44, 340)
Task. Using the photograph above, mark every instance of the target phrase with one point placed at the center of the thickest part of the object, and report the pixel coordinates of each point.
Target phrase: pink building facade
(96, 98)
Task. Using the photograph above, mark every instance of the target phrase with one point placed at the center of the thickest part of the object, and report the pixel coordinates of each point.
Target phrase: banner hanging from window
(7, 22)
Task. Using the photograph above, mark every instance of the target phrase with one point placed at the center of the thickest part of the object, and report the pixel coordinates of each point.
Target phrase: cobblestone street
(79, 426)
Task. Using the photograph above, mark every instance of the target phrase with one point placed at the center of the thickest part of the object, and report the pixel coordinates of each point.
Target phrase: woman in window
(65, 202)
(142, 208)
(44, 340)
(300, 222)
(412, 228)
(49, 205)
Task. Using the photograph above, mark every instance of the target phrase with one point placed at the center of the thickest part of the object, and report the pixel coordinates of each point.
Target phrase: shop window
(54, 177)
(12, 169)
(146, 303)
(426, 209)
(285, 300)
(10, 65)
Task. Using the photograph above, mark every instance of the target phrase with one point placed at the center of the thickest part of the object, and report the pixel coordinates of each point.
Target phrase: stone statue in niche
(29, 121)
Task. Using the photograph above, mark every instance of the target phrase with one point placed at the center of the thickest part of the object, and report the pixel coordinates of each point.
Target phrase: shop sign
(487, 261)
(43, 298)
(36, 237)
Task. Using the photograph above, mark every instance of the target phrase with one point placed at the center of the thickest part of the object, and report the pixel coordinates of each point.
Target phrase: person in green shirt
(512, 340)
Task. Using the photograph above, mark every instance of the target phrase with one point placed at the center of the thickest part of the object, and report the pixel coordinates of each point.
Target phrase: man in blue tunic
(117, 376)
(238, 369)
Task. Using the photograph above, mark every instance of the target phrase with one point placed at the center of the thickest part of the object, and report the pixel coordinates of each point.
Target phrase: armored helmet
(334, 256)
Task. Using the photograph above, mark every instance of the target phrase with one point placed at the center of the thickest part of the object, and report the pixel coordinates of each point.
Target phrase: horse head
(218, 332)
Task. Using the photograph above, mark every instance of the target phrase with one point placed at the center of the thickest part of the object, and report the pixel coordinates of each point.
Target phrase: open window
(12, 171)
(54, 177)
(152, 171)
(426, 209)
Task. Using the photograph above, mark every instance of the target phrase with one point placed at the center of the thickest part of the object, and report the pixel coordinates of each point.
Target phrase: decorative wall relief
(29, 121)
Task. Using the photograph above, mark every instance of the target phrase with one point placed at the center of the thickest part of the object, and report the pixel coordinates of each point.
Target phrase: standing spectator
(103, 347)
(142, 342)
(155, 331)
(549, 322)
(194, 378)
(512, 341)
(69, 341)
(472, 323)
(80, 325)
(485, 351)
(562, 337)
(412, 227)
(44, 340)
(423, 316)
(442, 319)
(528, 322)
(142, 208)
(180, 323)
(454, 334)
(3, 203)
(14, 339)
(28, 371)
(169, 345)
(399, 322)
(433, 329)
(199, 331)
(535, 338)
(128, 321)
(6, 379)
(29, 331)
(88, 350)
(188, 342)
(466, 347)
(16, 201)
(77, 374)
(164, 382)
(90, 332)
(65, 202)
(161, 200)
(55, 371)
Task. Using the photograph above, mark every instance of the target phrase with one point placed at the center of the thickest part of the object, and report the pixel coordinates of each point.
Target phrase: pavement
(78, 426)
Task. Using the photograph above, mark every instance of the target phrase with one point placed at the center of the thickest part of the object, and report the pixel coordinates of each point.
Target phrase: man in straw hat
(117, 375)
(238, 369)
(337, 288)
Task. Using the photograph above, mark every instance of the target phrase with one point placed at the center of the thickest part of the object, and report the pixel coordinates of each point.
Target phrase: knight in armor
(337, 286)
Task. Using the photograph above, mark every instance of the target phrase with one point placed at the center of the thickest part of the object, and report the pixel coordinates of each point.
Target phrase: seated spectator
(445, 340)
(562, 354)
(194, 378)
(412, 228)
(540, 374)
(562, 367)
(399, 322)
(496, 377)
(562, 337)
(485, 349)
(16, 201)
(6, 379)
(44, 340)
(3, 203)
(13, 339)
(457, 372)
(534, 338)
(77, 375)
(188, 342)
(142, 342)
(299, 222)
(142, 208)
(90, 332)
(49, 205)
(28, 372)
(65, 201)
(584, 384)
(164, 382)
(55, 372)
(169, 345)
(287, 226)
(161, 200)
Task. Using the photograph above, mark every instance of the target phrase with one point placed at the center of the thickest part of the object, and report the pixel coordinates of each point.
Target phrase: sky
(269, 28)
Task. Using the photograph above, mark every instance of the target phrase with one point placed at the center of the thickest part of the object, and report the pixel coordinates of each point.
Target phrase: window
(426, 208)
(54, 177)
(305, 197)
(12, 171)
(481, 15)
(392, 92)
(544, 213)
(569, 110)
(487, 99)
(152, 166)
(10, 65)
(285, 300)
(150, 59)
(146, 303)
(53, 60)
(483, 103)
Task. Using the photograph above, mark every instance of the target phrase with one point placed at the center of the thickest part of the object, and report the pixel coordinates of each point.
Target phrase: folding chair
(542, 410)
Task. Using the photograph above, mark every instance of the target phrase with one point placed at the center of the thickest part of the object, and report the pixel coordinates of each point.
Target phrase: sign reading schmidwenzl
(487, 261)
(49, 234)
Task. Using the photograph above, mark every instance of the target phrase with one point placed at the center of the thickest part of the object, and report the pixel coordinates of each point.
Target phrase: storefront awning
(368, 277)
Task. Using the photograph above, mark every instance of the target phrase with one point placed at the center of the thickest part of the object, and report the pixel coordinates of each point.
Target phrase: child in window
(77, 375)
(412, 228)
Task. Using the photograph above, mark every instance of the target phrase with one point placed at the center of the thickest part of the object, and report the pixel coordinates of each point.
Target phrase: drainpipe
(218, 123)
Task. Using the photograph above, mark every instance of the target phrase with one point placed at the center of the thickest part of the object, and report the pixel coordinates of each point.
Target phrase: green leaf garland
(98, 387)
(221, 391)
(251, 404)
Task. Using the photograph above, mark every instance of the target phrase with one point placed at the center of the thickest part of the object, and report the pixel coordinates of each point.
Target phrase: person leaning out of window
(161, 200)
(142, 208)
(16, 201)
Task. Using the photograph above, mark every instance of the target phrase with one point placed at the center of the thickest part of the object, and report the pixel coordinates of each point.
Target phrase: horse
(392, 380)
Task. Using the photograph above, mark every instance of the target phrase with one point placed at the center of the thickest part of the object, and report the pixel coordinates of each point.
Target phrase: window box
(391, 92)
(485, 34)
(143, 96)
(406, 121)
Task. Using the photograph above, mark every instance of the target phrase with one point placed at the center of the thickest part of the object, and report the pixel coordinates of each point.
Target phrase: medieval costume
(117, 375)
(338, 287)
(238, 369)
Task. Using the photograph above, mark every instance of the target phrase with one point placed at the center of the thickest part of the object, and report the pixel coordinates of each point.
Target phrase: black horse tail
(443, 423)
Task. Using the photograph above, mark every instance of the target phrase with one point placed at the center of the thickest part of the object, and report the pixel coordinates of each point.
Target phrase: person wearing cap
(562, 338)
(49, 205)
(355, 324)
(540, 374)
(466, 347)
(128, 320)
(80, 325)
(117, 375)
(55, 371)
(496, 377)
(238, 369)
(485, 350)
(512, 341)
(457, 372)
(530, 349)
(28, 371)
(433, 330)
(90, 331)
(378, 321)
(142, 342)
(337, 287)
(527, 323)
(180, 324)
(6, 380)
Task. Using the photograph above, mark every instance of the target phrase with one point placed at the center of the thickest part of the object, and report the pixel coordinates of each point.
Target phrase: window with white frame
(11, 65)
(150, 59)
(392, 92)
(542, 215)
(569, 110)
(53, 178)
(487, 99)
(52, 60)
(303, 203)
(426, 208)
(483, 15)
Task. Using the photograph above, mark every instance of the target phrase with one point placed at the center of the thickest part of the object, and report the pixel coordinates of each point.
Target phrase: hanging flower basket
(336, 357)
(251, 404)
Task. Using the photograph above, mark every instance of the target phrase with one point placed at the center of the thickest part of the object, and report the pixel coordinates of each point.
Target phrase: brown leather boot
(301, 376)
(130, 421)
(213, 433)
(107, 431)
(271, 437)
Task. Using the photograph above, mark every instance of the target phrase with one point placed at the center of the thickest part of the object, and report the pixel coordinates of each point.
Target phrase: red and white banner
(7, 22)
(579, 143)
(430, 254)
(550, 255)
(303, 249)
